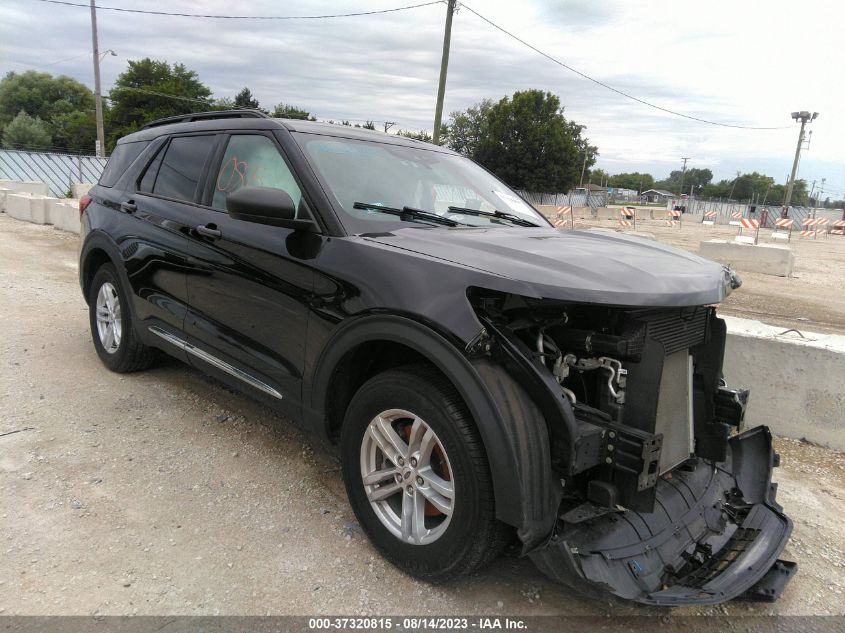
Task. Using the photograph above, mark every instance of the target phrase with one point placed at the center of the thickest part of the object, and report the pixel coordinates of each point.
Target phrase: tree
(634, 180)
(527, 142)
(598, 177)
(465, 130)
(64, 105)
(150, 89)
(26, 132)
(286, 111)
(244, 99)
(693, 177)
(369, 125)
(42, 95)
(420, 136)
(75, 131)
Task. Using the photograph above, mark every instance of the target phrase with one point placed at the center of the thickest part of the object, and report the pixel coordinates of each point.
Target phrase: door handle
(209, 230)
(129, 206)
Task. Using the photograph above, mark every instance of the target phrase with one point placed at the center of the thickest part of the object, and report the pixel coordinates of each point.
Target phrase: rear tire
(416, 416)
(112, 330)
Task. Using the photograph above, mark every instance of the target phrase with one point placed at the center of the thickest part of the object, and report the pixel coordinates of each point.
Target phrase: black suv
(488, 378)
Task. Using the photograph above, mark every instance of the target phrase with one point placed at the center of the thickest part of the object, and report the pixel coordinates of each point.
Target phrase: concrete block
(29, 186)
(796, 383)
(39, 209)
(80, 189)
(64, 215)
(3, 193)
(19, 206)
(769, 259)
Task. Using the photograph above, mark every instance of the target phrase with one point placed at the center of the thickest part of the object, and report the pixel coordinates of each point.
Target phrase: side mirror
(265, 205)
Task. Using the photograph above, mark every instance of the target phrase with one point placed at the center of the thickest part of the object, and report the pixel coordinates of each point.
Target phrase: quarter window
(252, 160)
(123, 155)
(181, 167)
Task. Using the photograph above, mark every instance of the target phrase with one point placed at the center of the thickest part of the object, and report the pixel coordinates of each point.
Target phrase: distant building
(658, 195)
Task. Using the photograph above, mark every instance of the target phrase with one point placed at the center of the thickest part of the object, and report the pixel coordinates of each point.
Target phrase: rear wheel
(115, 340)
(417, 475)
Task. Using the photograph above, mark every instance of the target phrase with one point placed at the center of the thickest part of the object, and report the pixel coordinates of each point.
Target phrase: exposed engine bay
(662, 494)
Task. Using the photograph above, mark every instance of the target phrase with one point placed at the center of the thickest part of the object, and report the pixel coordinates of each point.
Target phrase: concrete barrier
(64, 215)
(80, 189)
(26, 186)
(769, 259)
(39, 209)
(797, 384)
(19, 206)
(3, 193)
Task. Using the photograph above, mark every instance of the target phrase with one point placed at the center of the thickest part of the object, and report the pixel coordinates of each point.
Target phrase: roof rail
(204, 116)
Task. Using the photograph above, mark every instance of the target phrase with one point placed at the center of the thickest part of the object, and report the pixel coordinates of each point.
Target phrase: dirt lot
(812, 299)
(165, 493)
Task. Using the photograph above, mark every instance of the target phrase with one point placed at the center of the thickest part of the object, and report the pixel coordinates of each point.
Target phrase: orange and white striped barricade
(673, 218)
(783, 229)
(561, 221)
(813, 227)
(748, 223)
(629, 217)
(838, 228)
(709, 218)
(736, 216)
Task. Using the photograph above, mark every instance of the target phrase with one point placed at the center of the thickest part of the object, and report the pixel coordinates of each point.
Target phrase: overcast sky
(745, 62)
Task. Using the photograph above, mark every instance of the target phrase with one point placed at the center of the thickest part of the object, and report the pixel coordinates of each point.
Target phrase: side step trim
(213, 360)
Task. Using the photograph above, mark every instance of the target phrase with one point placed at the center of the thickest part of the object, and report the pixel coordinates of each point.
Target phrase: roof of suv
(266, 123)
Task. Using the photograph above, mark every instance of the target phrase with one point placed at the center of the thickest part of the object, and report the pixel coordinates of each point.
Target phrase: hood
(582, 266)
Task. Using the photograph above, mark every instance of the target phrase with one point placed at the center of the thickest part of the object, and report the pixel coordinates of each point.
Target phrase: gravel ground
(165, 493)
(812, 299)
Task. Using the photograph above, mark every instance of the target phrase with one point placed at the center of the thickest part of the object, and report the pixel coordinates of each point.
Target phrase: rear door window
(120, 159)
(181, 167)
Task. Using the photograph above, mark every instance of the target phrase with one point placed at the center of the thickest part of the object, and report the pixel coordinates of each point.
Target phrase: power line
(611, 88)
(244, 17)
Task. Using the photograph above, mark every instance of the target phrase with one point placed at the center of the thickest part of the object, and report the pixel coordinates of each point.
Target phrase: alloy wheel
(407, 477)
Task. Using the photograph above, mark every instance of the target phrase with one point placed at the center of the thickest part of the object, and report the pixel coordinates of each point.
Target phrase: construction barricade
(629, 217)
(561, 220)
(783, 229)
(751, 224)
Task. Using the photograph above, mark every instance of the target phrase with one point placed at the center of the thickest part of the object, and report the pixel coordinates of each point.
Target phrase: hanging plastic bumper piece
(715, 534)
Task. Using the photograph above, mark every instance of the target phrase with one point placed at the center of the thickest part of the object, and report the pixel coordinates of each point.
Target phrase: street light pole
(804, 117)
(683, 173)
(98, 99)
(444, 66)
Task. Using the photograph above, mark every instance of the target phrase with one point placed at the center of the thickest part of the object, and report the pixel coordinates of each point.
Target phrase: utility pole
(98, 99)
(683, 173)
(444, 66)
(388, 125)
(583, 169)
(804, 117)
(731, 195)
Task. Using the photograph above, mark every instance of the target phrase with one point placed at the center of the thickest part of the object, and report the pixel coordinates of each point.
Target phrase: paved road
(165, 493)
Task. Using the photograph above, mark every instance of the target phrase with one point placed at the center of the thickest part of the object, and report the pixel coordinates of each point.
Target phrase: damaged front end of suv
(664, 498)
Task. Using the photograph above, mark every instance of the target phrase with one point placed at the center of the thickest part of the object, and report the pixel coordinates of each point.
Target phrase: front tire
(112, 331)
(417, 475)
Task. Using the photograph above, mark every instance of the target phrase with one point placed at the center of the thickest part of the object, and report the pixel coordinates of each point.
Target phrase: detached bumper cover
(716, 532)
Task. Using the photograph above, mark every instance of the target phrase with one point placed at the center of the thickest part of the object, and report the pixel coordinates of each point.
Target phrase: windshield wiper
(407, 214)
(510, 217)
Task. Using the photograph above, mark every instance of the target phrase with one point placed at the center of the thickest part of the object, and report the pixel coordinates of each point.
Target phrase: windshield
(365, 175)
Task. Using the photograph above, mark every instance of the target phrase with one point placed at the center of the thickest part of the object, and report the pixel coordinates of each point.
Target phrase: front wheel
(417, 475)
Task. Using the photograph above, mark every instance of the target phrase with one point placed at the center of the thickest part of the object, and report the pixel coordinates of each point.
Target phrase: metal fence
(58, 171)
(592, 200)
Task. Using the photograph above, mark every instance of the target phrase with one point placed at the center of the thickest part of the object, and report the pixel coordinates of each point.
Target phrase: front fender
(512, 429)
